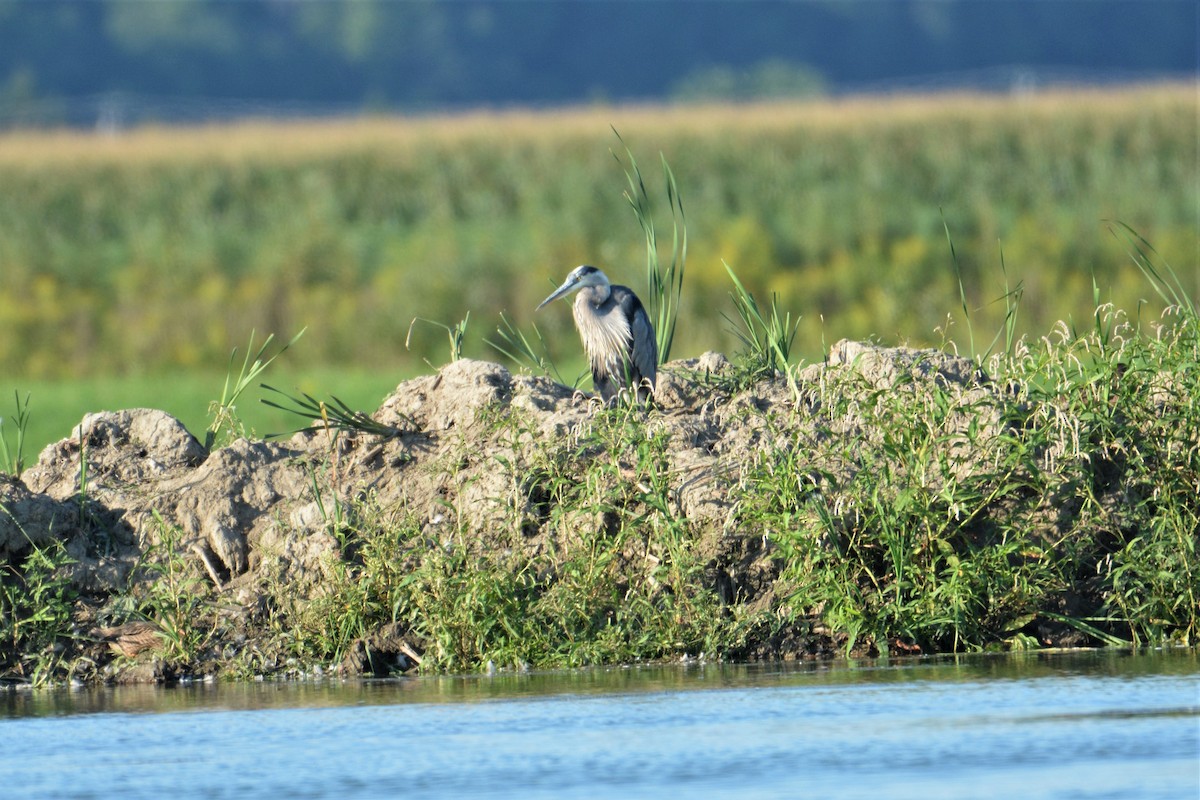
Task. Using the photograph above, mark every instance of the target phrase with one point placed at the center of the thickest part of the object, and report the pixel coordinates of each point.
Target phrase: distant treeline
(133, 58)
(163, 248)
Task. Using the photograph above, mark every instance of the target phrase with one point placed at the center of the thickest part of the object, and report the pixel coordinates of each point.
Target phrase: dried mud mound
(468, 456)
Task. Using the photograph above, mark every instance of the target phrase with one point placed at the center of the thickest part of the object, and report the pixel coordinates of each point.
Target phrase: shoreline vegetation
(1037, 491)
(887, 502)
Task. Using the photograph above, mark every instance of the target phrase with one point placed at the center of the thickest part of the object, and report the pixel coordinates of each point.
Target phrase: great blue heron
(616, 332)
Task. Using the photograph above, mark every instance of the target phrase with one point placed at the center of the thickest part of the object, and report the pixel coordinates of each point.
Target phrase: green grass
(1079, 493)
(664, 281)
(56, 406)
(766, 342)
(36, 627)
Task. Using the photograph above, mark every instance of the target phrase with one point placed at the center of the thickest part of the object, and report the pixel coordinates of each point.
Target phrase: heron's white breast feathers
(605, 334)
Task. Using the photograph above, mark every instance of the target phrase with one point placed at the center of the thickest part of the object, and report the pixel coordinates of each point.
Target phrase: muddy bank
(478, 456)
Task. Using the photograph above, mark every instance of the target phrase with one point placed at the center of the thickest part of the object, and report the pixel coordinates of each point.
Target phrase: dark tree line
(387, 55)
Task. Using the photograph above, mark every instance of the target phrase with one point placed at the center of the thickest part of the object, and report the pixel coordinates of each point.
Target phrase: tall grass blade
(333, 415)
(456, 334)
(1158, 272)
(664, 283)
(15, 464)
(517, 347)
(962, 289)
(1091, 630)
(224, 411)
(1012, 305)
(767, 340)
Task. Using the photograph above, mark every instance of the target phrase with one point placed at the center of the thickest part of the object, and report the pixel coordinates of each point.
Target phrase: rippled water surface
(1048, 725)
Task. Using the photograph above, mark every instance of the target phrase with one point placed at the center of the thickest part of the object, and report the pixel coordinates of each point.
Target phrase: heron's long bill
(567, 286)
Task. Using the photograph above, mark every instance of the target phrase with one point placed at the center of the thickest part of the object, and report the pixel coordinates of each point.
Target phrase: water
(1049, 725)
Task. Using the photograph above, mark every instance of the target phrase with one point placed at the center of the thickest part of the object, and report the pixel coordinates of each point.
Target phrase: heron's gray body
(617, 334)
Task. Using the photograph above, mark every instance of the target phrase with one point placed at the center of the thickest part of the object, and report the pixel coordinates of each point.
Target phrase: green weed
(664, 284)
(457, 334)
(81, 496)
(332, 414)
(37, 600)
(517, 347)
(896, 542)
(224, 411)
(172, 591)
(766, 340)
(1124, 401)
(1158, 273)
(13, 460)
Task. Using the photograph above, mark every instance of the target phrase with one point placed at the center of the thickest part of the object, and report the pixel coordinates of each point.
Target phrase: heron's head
(579, 278)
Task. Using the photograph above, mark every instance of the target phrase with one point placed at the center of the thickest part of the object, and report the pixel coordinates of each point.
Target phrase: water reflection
(607, 680)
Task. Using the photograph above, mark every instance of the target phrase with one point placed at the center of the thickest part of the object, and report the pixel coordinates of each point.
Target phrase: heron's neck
(595, 295)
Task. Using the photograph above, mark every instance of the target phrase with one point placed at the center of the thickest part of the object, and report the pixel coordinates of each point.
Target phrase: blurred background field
(132, 264)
